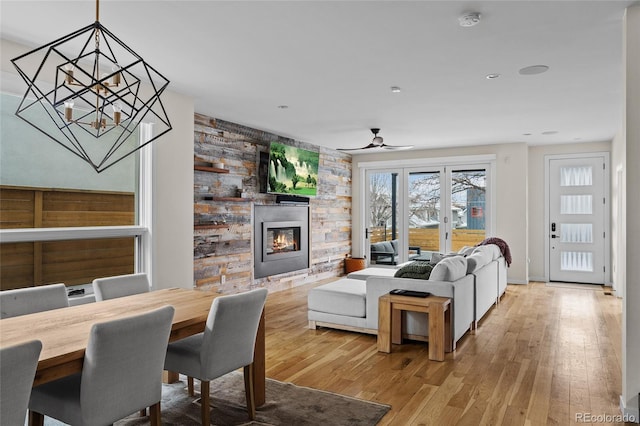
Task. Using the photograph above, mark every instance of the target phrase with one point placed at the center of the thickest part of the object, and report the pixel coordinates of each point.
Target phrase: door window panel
(383, 217)
(424, 214)
(576, 204)
(468, 207)
(576, 232)
(580, 261)
(576, 176)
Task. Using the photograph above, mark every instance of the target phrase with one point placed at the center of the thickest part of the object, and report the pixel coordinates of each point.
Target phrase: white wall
(537, 233)
(511, 201)
(631, 301)
(172, 230)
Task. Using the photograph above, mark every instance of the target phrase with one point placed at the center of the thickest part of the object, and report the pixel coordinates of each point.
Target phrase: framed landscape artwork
(292, 170)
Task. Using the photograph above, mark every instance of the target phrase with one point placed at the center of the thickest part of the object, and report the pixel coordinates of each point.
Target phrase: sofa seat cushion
(343, 297)
(449, 269)
(363, 274)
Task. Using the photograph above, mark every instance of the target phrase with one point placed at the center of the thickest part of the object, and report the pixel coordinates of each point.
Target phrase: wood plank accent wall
(224, 247)
(73, 261)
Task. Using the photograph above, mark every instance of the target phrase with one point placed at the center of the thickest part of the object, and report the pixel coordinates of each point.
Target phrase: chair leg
(154, 414)
(190, 386)
(204, 402)
(143, 412)
(36, 419)
(248, 391)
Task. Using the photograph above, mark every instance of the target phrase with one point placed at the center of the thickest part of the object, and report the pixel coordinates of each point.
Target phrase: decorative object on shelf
(208, 166)
(96, 95)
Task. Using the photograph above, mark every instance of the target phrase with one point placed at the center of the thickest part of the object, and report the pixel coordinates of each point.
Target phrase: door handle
(554, 236)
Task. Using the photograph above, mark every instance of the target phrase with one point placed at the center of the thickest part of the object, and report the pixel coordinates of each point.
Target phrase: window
(60, 221)
(404, 205)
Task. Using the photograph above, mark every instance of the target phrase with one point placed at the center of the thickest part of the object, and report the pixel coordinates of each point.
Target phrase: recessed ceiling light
(395, 89)
(283, 106)
(533, 69)
(492, 76)
(469, 19)
(550, 132)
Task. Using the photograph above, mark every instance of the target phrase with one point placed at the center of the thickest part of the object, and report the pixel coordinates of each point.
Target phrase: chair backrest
(120, 286)
(123, 363)
(230, 335)
(17, 370)
(28, 300)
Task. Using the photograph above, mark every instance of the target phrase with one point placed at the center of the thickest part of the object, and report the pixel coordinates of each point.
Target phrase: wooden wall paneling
(81, 261)
(16, 208)
(17, 265)
(227, 250)
(71, 262)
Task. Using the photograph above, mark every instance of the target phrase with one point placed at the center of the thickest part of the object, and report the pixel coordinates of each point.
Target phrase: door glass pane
(424, 215)
(576, 261)
(468, 190)
(576, 176)
(576, 204)
(383, 218)
(576, 233)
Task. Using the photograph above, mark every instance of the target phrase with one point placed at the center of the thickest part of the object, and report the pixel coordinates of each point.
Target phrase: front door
(577, 219)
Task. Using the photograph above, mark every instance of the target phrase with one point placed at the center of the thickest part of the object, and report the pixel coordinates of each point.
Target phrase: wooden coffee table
(390, 309)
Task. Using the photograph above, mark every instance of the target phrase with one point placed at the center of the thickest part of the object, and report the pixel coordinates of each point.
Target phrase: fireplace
(281, 238)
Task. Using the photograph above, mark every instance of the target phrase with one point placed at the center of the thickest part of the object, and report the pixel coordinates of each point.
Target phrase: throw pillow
(416, 270)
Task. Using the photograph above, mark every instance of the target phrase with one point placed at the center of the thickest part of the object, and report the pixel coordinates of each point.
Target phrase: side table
(390, 307)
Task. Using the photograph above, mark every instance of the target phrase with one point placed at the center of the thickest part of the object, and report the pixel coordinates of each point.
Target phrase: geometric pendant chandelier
(91, 101)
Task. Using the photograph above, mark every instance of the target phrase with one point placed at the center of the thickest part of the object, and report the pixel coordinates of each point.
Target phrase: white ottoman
(343, 297)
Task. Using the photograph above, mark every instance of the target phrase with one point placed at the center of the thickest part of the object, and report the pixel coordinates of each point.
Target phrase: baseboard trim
(519, 282)
(539, 279)
(630, 414)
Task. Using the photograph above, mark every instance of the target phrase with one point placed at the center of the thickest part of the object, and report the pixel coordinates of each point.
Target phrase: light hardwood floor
(542, 356)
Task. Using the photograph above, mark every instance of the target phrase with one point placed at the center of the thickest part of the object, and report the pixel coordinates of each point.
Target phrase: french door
(578, 219)
(426, 210)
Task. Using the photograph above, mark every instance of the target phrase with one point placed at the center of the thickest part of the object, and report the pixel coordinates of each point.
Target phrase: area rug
(286, 404)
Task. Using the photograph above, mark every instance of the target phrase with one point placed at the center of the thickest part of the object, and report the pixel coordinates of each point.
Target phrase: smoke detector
(469, 19)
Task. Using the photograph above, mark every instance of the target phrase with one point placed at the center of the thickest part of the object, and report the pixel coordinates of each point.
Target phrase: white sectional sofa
(474, 283)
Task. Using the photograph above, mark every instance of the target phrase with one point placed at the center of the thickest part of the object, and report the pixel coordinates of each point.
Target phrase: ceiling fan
(378, 142)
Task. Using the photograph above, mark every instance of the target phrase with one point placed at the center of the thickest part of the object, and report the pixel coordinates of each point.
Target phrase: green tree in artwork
(295, 179)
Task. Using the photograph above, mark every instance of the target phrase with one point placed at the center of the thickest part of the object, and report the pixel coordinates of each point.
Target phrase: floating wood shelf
(232, 199)
(210, 169)
(206, 166)
(210, 226)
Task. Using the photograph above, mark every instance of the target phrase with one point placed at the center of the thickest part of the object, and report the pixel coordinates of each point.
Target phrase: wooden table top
(64, 333)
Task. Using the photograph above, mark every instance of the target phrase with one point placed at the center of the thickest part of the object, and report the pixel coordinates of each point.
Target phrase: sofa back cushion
(491, 250)
(478, 260)
(449, 269)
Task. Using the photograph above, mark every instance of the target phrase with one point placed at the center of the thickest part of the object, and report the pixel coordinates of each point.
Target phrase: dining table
(64, 332)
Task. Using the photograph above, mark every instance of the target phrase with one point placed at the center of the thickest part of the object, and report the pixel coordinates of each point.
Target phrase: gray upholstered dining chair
(121, 374)
(23, 301)
(17, 369)
(120, 286)
(226, 344)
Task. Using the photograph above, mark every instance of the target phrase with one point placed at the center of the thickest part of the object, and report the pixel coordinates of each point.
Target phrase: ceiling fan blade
(371, 145)
(396, 147)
